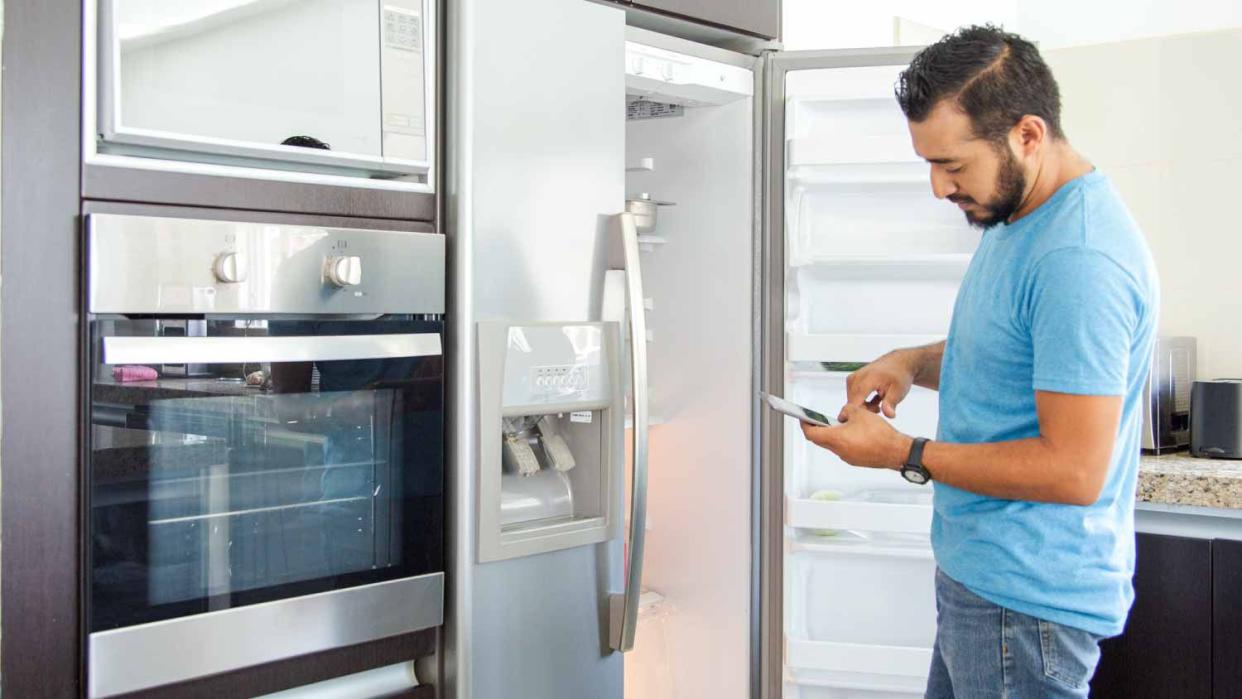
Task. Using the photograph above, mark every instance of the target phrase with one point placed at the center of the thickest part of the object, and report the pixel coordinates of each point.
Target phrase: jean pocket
(1070, 655)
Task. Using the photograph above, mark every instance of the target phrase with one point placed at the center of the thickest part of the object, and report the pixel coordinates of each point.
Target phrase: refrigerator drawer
(855, 594)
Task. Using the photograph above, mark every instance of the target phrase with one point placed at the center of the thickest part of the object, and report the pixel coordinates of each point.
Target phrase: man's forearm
(1023, 469)
(925, 364)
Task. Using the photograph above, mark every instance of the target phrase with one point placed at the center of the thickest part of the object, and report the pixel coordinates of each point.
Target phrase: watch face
(914, 475)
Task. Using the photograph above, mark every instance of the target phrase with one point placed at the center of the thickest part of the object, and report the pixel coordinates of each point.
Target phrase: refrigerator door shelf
(888, 265)
(861, 595)
(806, 680)
(896, 173)
(915, 303)
(803, 347)
(861, 659)
(844, 515)
(817, 684)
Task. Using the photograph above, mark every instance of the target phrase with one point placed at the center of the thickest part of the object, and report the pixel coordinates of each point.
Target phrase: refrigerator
(795, 238)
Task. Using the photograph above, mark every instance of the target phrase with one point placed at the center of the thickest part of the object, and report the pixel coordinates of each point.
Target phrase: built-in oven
(266, 443)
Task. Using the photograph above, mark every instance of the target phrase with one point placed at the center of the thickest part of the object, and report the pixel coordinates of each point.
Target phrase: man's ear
(1028, 135)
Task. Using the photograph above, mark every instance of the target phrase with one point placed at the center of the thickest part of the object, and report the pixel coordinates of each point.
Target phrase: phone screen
(799, 412)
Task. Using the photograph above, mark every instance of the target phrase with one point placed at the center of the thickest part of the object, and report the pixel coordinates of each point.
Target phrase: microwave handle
(623, 608)
(266, 348)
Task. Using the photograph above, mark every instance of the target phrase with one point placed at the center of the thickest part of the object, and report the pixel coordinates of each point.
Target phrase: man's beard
(1010, 188)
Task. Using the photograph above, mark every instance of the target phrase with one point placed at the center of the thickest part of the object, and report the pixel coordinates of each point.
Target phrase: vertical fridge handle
(623, 608)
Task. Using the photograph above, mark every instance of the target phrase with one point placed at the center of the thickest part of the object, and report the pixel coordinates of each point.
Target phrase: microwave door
(332, 85)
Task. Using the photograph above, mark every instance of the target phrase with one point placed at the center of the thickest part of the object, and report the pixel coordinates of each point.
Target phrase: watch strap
(915, 458)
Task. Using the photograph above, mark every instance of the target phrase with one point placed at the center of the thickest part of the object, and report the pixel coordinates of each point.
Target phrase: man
(1036, 460)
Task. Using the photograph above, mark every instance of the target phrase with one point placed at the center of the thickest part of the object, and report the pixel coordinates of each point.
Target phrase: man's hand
(882, 384)
(863, 439)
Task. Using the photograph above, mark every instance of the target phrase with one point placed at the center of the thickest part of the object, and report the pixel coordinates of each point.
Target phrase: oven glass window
(297, 456)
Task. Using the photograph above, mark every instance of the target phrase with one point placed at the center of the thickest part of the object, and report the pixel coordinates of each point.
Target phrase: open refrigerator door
(871, 262)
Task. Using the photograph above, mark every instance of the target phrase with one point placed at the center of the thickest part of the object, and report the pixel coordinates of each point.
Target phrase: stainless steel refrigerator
(795, 236)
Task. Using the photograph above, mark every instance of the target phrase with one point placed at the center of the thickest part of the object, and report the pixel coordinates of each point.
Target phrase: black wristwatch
(913, 470)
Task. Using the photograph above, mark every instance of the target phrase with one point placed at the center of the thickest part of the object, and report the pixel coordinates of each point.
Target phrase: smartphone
(794, 410)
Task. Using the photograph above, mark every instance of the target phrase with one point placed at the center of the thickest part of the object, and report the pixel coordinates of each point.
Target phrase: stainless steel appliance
(804, 240)
(325, 86)
(1216, 419)
(292, 500)
(1166, 395)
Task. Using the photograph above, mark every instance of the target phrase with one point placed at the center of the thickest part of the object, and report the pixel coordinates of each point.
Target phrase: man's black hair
(994, 76)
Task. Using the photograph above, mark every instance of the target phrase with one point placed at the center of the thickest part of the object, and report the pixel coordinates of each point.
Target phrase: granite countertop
(109, 390)
(1181, 479)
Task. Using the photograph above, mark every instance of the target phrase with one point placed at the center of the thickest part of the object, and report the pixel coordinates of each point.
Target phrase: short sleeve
(1083, 313)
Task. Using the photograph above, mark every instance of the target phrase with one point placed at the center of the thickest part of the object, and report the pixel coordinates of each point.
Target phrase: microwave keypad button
(230, 267)
(344, 271)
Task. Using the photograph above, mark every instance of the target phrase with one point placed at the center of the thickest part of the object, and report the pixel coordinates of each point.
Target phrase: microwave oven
(337, 87)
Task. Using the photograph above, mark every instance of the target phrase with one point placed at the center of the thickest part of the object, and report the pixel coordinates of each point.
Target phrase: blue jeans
(984, 650)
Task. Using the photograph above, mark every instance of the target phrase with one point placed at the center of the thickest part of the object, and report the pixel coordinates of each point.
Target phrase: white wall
(1061, 23)
(1160, 117)
(816, 24)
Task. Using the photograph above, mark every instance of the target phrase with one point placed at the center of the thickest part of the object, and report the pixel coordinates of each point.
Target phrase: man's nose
(941, 184)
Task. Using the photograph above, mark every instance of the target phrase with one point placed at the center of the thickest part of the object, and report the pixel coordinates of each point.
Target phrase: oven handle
(237, 350)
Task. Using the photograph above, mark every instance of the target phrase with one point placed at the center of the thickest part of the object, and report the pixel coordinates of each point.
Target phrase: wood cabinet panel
(1166, 648)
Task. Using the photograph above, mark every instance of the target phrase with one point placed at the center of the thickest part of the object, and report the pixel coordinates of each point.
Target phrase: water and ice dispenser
(551, 416)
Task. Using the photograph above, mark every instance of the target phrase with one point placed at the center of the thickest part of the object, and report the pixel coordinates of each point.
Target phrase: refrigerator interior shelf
(858, 153)
(648, 243)
(950, 262)
(641, 165)
(858, 544)
(858, 516)
(902, 173)
(803, 683)
(858, 658)
(802, 347)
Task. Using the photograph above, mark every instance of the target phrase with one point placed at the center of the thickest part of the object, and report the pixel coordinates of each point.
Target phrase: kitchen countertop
(109, 390)
(1181, 479)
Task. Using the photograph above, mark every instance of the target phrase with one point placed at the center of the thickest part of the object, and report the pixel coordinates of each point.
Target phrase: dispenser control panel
(555, 365)
(571, 377)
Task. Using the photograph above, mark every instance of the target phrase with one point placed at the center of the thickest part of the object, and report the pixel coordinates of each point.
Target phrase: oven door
(284, 497)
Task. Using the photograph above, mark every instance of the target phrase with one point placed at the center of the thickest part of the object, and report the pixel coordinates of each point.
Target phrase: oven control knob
(345, 271)
(230, 267)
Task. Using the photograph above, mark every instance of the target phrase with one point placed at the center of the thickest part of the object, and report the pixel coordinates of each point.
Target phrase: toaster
(1216, 419)
(1166, 395)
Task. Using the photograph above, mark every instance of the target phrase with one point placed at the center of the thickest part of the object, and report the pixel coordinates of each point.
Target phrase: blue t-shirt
(1063, 300)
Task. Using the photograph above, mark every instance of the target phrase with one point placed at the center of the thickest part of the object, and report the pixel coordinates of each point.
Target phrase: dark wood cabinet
(1166, 649)
(1226, 618)
(756, 17)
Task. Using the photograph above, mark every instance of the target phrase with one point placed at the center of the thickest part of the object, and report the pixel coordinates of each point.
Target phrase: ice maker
(552, 415)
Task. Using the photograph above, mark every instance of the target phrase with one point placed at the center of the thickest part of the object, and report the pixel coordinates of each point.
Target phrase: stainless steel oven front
(266, 444)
